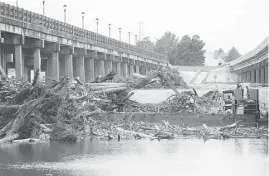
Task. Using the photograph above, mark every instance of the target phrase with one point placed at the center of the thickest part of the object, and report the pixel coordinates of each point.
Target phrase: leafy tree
(167, 45)
(146, 43)
(190, 51)
(232, 54)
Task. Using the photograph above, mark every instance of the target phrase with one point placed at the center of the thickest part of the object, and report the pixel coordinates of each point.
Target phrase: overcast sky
(220, 23)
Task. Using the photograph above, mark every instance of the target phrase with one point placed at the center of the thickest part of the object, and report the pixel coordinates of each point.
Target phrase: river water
(90, 157)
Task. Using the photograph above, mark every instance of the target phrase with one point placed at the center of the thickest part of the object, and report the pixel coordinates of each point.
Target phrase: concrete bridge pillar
(55, 65)
(258, 76)
(89, 69)
(146, 70)
(248, 76)
(62, 61)
(100, 67)
(262, 75)
(266, 75)
(49, 65)
(253, 76)
(68, 65)
(19, 67)
(80, 68)
(245, 77)
(119, 69)
(131, 70)
(125, 70)
(37, 59)
(27, 74)
(137, 69)
(108, 66)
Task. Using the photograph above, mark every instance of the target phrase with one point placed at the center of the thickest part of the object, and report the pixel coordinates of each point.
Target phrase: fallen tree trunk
(6, 128)
(134, 133)
(9, 138)
(234, 125)
(110, 90)
(45, 129)
(105, 87)
(6, 108)
(105, 84)
(107, 77)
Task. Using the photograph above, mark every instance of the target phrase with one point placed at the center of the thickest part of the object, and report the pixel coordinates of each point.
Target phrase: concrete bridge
(30, 41)
(253, 66)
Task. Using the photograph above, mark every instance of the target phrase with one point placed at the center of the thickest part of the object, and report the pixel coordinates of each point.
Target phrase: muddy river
(90, 157)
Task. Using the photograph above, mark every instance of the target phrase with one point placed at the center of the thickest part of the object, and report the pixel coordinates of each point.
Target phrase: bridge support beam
(68, 68)
(19, 67)
(266, 74)
(125, 70)
(80, 68)
(253, 76)
(257, 76)
(89, 69)
(100, 68)
(248, 76)
(37, 59)
(244, 76)
(108, 66)
(137, 69)
(119, 69)
(55, 65)
(62, 61)
(131, 70)
(262, 75)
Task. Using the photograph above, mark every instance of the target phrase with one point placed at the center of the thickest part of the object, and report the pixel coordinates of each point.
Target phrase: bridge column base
(125, 70)
(253, 76)
(137, 69)
(37, 59)
(89, 69)
(266, 75)
(262, 75)
(248, 76)
(62, 66)
(55, 65)
(131, 70)
(119, 69)
(108, 66)
(68, 65)
(100, 68)
(257, 76)
(19, 67)
(80, 68)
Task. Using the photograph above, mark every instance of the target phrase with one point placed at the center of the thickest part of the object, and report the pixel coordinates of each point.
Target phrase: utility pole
(17, 3)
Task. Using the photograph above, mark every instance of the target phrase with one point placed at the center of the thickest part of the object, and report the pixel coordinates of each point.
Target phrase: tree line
(188, 51)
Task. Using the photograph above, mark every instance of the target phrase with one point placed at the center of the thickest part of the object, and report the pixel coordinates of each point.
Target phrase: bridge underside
(253, 67)
(56, 61)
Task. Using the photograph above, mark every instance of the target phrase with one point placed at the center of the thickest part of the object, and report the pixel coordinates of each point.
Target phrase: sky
(219, 23)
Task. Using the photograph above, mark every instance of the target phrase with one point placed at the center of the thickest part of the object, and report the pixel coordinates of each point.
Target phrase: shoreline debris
(66, 109)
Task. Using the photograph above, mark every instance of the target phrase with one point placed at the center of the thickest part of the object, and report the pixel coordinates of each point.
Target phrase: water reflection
(143, 157)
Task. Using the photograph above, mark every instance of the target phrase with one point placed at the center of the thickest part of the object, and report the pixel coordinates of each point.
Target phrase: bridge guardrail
(35, 18)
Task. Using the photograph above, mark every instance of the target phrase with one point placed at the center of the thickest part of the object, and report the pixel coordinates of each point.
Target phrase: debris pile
(168, 75)
(66, 109)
